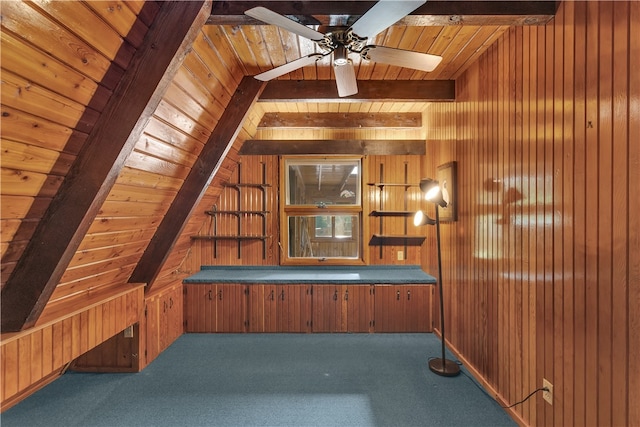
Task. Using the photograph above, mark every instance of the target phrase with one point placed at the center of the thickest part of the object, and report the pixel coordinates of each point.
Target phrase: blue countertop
(376, 274)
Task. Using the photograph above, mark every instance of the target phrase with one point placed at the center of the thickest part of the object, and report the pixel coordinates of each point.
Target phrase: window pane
(342, 240)
(323, 183)
(323, 226)
(343, 226)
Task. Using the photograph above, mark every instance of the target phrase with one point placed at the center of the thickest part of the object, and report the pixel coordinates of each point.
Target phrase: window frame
(287, 210)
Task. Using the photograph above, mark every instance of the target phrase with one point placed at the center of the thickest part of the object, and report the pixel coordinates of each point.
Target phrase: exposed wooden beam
(196, 183)
(74, 207)
(433, 12)
(340, 120)
(368, 91)
(334, 146)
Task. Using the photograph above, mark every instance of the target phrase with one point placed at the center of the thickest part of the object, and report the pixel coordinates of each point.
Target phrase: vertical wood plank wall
(396, 169)
(541, 275)
(53, 91)
(30, 357)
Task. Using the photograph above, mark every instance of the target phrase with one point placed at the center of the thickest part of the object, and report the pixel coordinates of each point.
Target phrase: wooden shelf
(391, 184)
(250, 185)
(227, 237)
(241, 215)
(239, 212)
(406, 214)
(396, 240)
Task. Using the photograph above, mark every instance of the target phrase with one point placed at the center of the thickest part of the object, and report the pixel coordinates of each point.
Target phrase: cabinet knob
(398, 295)
(408, 295)
(346, 295)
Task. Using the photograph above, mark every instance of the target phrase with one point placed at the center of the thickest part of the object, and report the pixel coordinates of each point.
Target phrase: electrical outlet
(400, 255)
(548, 393)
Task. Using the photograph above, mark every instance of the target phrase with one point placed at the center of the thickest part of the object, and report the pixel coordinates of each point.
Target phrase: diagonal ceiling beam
(433, 12)
(196, 183)
(96, 168)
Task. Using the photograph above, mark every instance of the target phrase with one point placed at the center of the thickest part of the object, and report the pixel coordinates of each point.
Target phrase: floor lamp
(432, 192)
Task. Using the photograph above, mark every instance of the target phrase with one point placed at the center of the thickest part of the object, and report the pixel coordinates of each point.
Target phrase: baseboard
(17, 398)
(478, 377)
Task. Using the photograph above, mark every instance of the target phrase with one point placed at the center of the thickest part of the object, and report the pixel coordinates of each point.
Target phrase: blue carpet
(270, 380)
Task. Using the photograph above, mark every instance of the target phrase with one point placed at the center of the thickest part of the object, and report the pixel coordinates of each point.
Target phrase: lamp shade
(420, 218)
(431, 189)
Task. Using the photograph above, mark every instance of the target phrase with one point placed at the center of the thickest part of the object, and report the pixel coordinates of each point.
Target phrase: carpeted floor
(270, 380)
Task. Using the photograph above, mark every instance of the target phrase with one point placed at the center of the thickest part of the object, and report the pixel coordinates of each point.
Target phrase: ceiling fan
(341, 41)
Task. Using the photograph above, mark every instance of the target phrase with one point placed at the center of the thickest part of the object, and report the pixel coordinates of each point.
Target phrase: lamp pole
(442, 366)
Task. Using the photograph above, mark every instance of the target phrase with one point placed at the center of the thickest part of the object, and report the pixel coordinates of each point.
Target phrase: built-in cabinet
(403, 308)
(343, 308)
(161, 323)
(216, 308)
(308, 308)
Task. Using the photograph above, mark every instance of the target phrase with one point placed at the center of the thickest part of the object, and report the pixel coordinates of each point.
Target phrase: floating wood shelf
(240, 184)
(241, 215)
(381, 239)
(227, 237)
(391, 184)
(239, 212)
(392, 213)
(396, 240)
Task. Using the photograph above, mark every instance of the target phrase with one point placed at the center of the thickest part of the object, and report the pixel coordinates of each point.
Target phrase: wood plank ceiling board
(196, 183)
(94, 172)
(459, 31)
(433, 12)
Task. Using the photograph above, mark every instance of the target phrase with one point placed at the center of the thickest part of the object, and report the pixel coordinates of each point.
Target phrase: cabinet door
(418, 308)
(232, 307)
(403, 308)
(261, 308)
(153, 314)
(329, 308)
(200, 308)
(293, 308)
(170, 322)
(388, 309)
(360, 304)
(176, 322)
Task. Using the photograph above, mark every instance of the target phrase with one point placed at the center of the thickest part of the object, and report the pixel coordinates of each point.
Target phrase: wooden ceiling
(459, 31)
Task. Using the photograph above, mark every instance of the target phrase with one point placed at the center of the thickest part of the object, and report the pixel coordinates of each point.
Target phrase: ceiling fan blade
(270, 17)
(384, 14)
(346, 79)
(288, 67)
(402, 58)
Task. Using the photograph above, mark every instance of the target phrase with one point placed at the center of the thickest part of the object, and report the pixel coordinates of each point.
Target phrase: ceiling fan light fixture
(340, 56)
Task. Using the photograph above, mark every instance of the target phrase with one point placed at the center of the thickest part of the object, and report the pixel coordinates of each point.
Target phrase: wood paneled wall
(51, 97)
(541, 270)
(29, 358)
(60, 64)
(53, 90)
(253, 169)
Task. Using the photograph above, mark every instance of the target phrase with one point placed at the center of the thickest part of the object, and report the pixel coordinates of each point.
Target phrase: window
(322, 210)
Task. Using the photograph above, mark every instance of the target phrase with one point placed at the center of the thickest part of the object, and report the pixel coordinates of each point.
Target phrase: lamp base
(444, 367)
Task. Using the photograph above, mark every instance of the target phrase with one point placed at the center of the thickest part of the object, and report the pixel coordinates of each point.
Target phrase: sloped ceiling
(104, 48)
